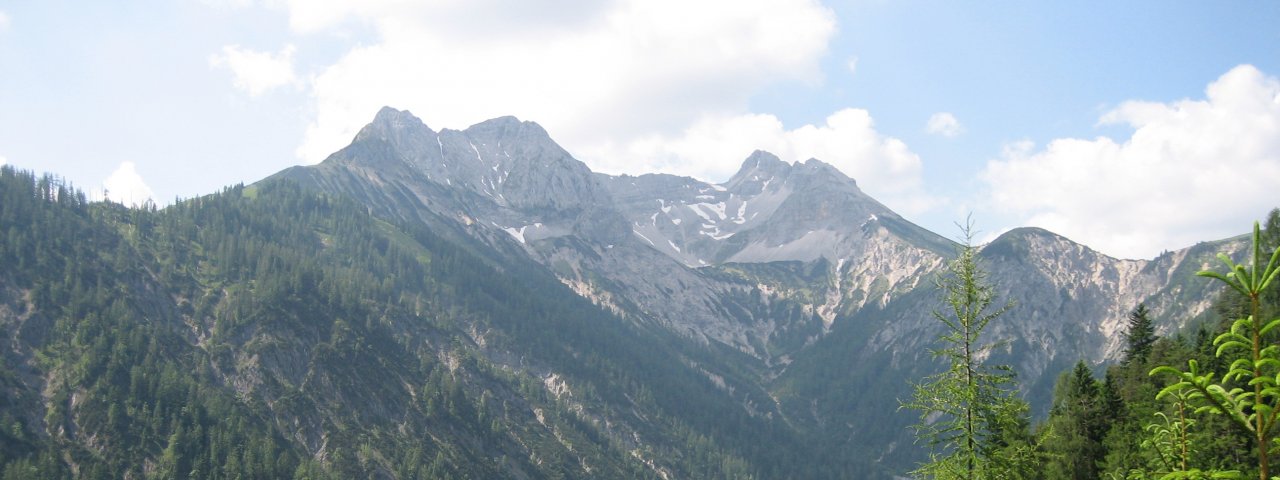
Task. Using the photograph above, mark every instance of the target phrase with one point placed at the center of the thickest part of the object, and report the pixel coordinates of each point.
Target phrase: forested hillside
(273, 331)
(1199, 404)
(270, 332)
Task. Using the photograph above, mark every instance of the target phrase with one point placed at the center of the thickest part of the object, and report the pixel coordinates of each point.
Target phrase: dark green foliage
(1140, 335)
(1191, 424)
(115, 377)
(1247, 393)
(1078, 423)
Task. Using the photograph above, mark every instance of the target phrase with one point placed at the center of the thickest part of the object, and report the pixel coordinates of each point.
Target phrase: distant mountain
(568, 324)
(769, 211)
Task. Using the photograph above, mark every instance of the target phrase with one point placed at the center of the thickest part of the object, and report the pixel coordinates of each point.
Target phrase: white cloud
(256, 72)
(945, 124)
(628, 86)
(124, 185)
(1192, 170)
(714, 148)
(228, 4)
(593, 73)
(3, 161)
(4, 21)
(852, 65)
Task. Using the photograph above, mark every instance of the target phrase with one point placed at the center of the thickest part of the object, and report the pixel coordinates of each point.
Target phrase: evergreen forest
(270, 332)
(1193, 405)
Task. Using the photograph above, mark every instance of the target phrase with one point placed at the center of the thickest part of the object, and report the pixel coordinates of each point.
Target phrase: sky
(1133, 127)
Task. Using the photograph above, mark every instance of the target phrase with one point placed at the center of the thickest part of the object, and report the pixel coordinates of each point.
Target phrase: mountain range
(576, 324)
(785, 263)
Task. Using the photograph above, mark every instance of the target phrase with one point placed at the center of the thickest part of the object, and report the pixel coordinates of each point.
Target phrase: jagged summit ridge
(770, 210)
(759, 165)
(502, 174)
(509, 177)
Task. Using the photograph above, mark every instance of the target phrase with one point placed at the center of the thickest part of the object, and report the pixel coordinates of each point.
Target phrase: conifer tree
(966, 410)
(1078, 423)
(1254, 360)
(1140, 336)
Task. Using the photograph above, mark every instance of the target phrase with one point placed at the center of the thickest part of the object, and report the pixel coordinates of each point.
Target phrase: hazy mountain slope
(1070, 303)
(268, 331)
(505, 184)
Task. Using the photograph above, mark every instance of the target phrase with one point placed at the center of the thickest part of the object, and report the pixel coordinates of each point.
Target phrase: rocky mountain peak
(758, 171)
(820, 169)
(390, 123)
(504, 173)
(508, 127)
(761, 162)
(1020, 242)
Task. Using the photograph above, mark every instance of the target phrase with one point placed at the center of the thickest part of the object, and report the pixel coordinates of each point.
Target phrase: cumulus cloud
(256, 72)
(714, 148)
(945, 124)
(124, 185)
(593, 73)
(1191, 170)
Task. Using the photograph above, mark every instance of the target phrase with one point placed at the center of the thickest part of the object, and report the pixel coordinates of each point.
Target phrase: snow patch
(706, 210)
(644, 237)
(518, 233)
(717, 234)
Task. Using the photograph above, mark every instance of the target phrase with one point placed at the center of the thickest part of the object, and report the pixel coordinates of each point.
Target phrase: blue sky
(1113, 123)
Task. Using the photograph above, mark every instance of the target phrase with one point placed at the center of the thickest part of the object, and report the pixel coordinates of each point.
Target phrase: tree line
(1202, 405)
